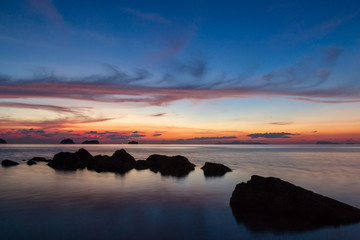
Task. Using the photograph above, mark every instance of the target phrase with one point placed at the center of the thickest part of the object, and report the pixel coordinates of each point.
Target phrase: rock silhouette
(91, 142)
(40, 159)
(67, 141)
(133, 142)
(271, 204)
(67, 161)
(178, 166)
(2, 141)
(30, 162)
(215, 169)
(8, 163)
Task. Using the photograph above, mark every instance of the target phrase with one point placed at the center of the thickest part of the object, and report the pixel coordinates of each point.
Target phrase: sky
(278, 72)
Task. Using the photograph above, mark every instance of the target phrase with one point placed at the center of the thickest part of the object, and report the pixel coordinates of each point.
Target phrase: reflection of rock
(8, 163)
(67, 141)
(178, 166)
(2, 141)
(133, 142)
(270, 204)
(30, 162)
(91, 142)
(215, 169)
(67, 161)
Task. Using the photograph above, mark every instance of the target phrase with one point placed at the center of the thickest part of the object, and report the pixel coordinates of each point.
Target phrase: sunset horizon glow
(180, 72)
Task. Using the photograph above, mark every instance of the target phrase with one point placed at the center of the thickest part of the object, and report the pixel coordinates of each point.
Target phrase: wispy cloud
(211, 138)
(157, 134)
(272, 135)
(47, 9)
(280, 123)
(152, 17)
(158, 115)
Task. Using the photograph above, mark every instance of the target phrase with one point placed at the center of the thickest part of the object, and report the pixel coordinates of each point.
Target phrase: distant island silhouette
(2, 141)
(67, 141)
(91, 142)
(133, 142)
(326, 142)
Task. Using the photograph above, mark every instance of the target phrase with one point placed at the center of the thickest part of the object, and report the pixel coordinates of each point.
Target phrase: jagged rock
(84, 155)
(271, 204)
(67, 141)
(8, 163)
(40, 159)
(30, 162)
(215, 169)
(91, 142)
(2, 141)
(67, 161)
(124, 156)
(178, 166)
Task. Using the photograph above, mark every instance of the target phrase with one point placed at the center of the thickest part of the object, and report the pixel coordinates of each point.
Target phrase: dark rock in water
(103, 163)
(84, 155)
(91, 142)
(123, 156)
(178, 166)
(30, 162)
(215, 169)
(271, 204)
(67, 141)
(2, 141)
(143, 164)
(67, 161)
(133, 142)
(8, 163)
(40, 159)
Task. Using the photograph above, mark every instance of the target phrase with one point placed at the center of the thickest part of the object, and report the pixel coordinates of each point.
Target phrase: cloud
(271, 135)
(157, 134)
(211, 138)
(158, 115)
(281, 123)
(47, 9)
(304, 81)
(152, 17)
(54, 108)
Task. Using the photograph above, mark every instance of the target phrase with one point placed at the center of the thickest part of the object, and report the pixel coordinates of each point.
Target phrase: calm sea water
(37, 202)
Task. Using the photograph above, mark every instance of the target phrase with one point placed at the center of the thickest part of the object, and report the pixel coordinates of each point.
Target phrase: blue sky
(167, 56)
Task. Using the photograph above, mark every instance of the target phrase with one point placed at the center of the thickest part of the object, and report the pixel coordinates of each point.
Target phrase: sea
(38, 202)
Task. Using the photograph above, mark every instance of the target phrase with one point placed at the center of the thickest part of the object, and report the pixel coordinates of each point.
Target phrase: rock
(67, 141)
(178, 166)
(2, 141)
(39, 159)
(84, 155)
(30, 162)
(215, 169)
(123, 156)
(143, 164)
(67, 161)
(8, 163)
(133, 142)
(91, 142)
(103, 163)
(271, 204)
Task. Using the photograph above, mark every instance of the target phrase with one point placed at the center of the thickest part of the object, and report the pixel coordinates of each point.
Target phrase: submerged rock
(30, 162)
(178, 166)
(2, 141)
(8, 163)
(271, 204)
(91, 142)
(215, 169)
(67, 141)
